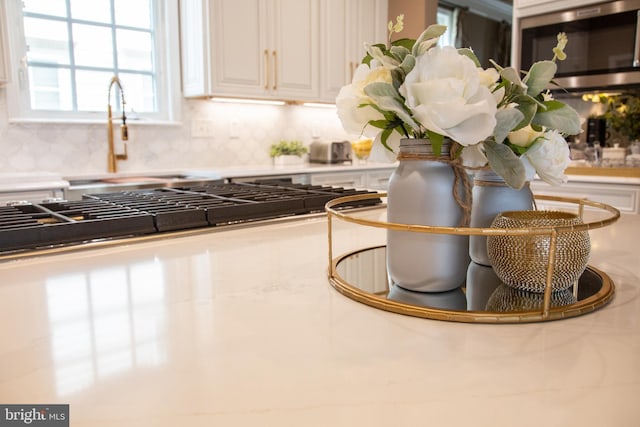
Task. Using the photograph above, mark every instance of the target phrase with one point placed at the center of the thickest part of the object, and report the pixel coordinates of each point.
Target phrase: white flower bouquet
(415, 89)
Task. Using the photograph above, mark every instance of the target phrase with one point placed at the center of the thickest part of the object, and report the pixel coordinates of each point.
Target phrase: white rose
(353, 117)
(550, 157)
(380, 154)
(446, 96)
(473, 156)
(529, 170)
(498, 95)
(524, 137)
(488, 77)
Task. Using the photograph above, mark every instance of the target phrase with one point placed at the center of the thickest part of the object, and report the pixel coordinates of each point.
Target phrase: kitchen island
(240, 327)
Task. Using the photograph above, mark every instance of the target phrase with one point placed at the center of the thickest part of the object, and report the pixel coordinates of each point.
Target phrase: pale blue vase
(491, 196)
(421, 192)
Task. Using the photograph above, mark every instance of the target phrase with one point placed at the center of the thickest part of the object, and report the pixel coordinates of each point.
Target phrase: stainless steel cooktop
(25, 227)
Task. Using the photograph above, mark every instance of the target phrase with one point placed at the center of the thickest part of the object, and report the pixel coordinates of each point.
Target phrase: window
(445, 16)
(68, 50)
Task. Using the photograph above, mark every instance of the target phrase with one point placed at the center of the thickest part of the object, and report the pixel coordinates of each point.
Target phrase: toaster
(330, 152)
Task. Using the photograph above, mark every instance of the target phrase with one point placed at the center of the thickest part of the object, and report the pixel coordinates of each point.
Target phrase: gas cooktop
(158, 210)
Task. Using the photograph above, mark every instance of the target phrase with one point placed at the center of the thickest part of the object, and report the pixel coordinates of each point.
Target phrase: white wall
(82, 148)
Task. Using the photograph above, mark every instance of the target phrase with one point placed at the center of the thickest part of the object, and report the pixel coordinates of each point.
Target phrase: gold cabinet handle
(266, 69)
(275, 70)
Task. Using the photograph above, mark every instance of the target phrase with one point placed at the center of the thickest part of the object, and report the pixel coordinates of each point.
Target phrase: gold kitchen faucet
(112, 157)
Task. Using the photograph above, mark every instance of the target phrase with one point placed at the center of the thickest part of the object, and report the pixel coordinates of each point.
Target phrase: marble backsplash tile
(75, 148)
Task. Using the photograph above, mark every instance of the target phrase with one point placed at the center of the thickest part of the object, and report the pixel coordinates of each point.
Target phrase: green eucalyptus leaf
(552, 105)
(376, 51)
(406, 43)
(422, 48)
(387, 98)
(528, 107)
(506, 120)
(470, 54)
(505, 163)
(511, 75)
(380, 124)
(399, 52)
(384, 137)
(517, 149)
(368, 58)
(564, 119)
(436, 141)
(432, 32)
(496, 65)
(539, 77)
(408, 64)
(397, 77)
(382, 56)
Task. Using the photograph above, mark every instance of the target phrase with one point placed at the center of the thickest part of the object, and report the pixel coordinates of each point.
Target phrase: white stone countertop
(240, 327)
(30, 181)
(242, 171)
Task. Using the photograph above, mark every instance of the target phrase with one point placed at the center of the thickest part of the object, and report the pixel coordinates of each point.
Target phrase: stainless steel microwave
(603, 49)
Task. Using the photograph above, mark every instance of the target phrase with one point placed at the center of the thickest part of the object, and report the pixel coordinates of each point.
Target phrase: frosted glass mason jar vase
(492, 195)
(421, 192)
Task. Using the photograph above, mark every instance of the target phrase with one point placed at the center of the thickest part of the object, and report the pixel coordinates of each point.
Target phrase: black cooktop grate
(140, 212)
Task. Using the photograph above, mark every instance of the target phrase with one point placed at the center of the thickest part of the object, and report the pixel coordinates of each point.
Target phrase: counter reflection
(106, 321)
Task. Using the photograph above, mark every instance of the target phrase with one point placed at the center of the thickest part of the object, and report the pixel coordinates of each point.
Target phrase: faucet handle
(122, 156)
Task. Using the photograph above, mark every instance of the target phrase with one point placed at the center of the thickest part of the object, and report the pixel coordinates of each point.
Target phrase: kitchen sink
(109, 184)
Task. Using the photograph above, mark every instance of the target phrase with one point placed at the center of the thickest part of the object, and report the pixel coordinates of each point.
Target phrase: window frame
(165, 51)
(450, 35)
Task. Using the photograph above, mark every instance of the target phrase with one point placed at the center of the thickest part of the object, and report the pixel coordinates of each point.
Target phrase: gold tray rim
(486, 231)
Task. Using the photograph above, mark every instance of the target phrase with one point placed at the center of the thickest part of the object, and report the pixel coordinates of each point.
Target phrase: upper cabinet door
(294, 49)
(346, 26)
(368, 22)
(4, 46)
(240, 51)
(195, 66)
(335, 69)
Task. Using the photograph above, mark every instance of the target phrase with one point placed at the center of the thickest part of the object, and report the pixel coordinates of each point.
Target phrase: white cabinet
(250, 48)
(351, 179)
(295, 40)
(194, 45)
(345, 26)
(624, 197)
(334, 49)
(347, 176)
(302, 50)
(31, 187)
(4, 46)
(379, 179)
(373, 179)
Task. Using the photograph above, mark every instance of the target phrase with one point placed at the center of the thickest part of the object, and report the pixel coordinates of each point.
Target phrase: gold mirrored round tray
(362, 276)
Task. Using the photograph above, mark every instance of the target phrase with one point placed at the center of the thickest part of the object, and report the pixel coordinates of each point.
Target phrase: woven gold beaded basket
(522, 261)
